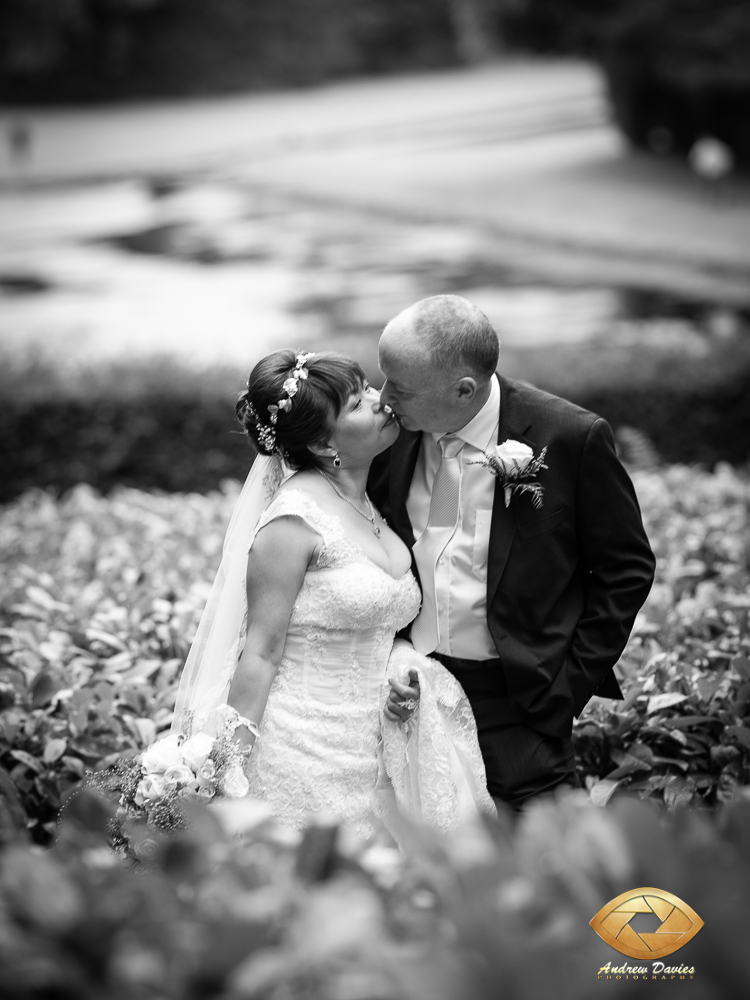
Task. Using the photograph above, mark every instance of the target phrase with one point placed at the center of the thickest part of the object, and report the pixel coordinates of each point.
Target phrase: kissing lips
(391, 416)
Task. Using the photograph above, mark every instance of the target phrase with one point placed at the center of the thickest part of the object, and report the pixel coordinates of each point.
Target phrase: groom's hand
(395, 708)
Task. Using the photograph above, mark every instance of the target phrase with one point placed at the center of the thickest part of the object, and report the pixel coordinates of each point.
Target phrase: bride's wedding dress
(325, 746)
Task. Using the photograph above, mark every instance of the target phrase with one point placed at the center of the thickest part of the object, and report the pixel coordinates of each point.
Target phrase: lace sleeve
(295, 503)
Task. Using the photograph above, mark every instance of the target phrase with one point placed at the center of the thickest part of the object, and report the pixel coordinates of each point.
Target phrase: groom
(528, 607)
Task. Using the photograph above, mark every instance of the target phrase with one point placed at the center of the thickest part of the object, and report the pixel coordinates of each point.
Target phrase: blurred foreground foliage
(101, 597)
(158, 424)
(235, 908)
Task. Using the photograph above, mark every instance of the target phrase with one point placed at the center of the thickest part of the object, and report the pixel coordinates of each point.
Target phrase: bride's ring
(410, 703)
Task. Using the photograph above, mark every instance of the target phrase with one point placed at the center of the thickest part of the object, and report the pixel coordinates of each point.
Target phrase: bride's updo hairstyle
(331, 380)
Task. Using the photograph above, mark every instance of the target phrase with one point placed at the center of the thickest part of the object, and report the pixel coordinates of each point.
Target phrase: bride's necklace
(368, 517)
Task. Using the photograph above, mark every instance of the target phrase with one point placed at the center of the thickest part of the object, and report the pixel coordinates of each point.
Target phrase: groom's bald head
(438, 357)
(453, 333)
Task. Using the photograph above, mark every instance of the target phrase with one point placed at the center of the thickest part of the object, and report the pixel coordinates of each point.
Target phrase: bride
(299, 634)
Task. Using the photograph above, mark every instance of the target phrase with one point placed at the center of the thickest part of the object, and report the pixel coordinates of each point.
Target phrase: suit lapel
(514, 424)
(404, 455)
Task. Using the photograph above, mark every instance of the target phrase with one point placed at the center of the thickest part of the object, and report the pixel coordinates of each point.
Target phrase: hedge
(158, 425)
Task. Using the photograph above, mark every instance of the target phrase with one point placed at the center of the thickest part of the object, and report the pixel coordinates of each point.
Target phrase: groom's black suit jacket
(564, 582)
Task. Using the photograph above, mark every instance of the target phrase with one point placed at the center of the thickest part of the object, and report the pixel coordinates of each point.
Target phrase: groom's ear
(466, 389)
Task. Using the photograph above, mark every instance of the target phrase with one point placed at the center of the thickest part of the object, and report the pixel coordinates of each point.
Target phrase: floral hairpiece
(291, 386)
(267, 432)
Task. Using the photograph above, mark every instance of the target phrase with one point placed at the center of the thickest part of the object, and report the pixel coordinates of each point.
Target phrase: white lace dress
(325, 746)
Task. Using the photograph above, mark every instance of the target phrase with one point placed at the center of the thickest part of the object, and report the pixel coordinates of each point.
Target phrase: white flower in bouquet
(207, 771)
(512, 456)
(151, 786)
(196, 751)
(162, 755)
(178, 774)
(234, 784)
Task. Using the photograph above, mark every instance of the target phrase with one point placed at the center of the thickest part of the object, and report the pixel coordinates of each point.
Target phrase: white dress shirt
(460, 578)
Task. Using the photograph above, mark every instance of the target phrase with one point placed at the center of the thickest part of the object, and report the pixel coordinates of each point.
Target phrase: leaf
(741, 698)
(98, 635)
(678, 792)
(636, 758)
(742, 665)
(718, 656)
(28, 760)
(146, 729)
(678, 736)
(119, 662)
(632, 693)
(739, 733)
(48, 791)
(44, 600)
(74, 764)
(686, 721)
(724, 754)
(674, 761)
(602, 791)
(53, 750)
(708, 686)
(658, 702)
(44, 687)
(42, 891)
(657, 782)
(91, 749)
(12, 799)
(10, 725)
(142, 670)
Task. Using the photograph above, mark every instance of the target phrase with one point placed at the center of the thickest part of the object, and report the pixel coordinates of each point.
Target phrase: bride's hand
(402, 699)
(245, 736)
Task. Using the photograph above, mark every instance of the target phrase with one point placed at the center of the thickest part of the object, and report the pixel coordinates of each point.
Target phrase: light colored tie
(442, 522)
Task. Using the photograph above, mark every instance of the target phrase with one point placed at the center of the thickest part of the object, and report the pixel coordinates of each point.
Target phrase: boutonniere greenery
(514, 464)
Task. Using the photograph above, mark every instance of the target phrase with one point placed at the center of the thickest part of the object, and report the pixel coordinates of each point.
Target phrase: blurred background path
(524, 150)
(209, 232)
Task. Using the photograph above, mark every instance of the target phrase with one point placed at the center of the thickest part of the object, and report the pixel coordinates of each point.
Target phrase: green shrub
(99, 603)
(683, 731)
(101, 597)
(158, 425)
(151, 424)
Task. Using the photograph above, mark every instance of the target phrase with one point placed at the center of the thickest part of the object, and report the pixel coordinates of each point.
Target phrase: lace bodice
(347, 610)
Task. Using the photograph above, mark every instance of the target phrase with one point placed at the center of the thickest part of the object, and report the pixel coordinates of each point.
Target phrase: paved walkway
(525, 150)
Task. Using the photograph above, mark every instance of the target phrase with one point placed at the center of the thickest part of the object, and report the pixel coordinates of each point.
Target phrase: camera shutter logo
(679, 923)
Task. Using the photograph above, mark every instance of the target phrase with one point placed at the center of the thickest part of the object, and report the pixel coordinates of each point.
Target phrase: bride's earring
(337, 460)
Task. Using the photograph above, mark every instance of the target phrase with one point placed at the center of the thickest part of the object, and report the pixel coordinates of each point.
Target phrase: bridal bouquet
(153, 785)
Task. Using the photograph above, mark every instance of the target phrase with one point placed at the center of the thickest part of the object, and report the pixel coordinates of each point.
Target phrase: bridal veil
(213, 656)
